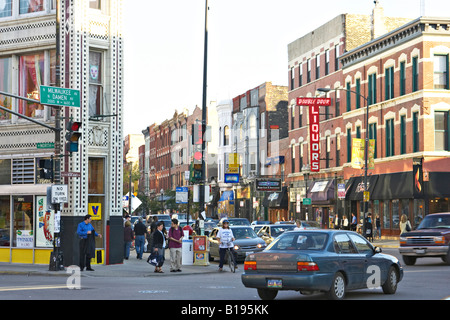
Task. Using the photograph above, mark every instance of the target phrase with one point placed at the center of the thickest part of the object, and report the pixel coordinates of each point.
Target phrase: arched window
(226, 136)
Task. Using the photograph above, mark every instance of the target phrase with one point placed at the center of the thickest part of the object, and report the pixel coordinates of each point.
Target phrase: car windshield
(299, 241)
(435, 222)
(239, 222)
(310, 224)
(276, 231)
(244, 233)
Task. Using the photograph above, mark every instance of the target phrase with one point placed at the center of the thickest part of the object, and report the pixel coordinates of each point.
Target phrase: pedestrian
(140, 232)
(225, 238)
(298, 225)
(158, 246)
(404, 225)
(87, 234)
(345, 223)
(378, 226)
(354, 223)
(128, 237)
(175, 244)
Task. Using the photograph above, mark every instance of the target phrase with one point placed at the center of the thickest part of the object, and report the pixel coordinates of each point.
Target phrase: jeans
(127, 245)
(222, 252)
(139, 244)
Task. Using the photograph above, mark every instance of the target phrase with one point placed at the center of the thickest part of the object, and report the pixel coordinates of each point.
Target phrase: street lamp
(366, 148)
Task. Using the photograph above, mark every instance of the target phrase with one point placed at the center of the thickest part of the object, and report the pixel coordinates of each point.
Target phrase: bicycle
(230, 257)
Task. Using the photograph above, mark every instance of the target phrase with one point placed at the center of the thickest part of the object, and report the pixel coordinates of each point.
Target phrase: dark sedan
(330, 261)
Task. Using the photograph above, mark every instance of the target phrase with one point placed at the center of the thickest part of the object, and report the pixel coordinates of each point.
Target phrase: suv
(430, 239)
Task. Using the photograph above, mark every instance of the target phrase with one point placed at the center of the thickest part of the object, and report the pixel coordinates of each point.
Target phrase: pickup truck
(430, 239)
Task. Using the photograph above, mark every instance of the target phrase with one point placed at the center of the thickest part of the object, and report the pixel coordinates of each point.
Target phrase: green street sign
(45, 145)
(307, 201)
(60, 96)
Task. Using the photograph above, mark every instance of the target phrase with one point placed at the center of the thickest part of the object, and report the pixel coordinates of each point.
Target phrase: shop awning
(394, 186)
(355, 187)
(321, 192)
(438, 185)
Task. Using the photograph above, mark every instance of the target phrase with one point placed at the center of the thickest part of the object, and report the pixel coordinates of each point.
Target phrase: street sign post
(59, 96)
(59, 193)
(182, 195)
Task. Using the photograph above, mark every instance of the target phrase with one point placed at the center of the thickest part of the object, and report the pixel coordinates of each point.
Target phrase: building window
(358, 132)
(226, 136)
(95, 83)
(348, 96)
(336, 58)
(327, 62)
(30, 6)
(300, 111)
(403, 134)
(300, 75)
(337, 105)
(338, 150)
(402, 78)
(308, 72)
(441, 130)
(23, 221)
(441, 72)
(6, 9)
(415, 132)
(23, 171)
(415, 74)
(373, 136)
(293, 158)
(252, 126)
(95, 4)
(389, 137)
(31, 77)
(317, 66)
(5, 171)
(292, 78)
(5, 86)
(372, 98)
(389, 83)
(328, 151)
(358, 93)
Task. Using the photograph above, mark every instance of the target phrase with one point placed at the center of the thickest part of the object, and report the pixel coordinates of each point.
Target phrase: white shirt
(225, 236)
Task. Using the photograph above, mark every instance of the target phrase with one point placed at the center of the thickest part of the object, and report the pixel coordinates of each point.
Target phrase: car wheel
(390, 286)
(337, 290)
(446, 258)
(266, 294)
(409, 261)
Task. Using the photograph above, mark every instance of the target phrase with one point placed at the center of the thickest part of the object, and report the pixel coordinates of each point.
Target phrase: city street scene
(222, 156)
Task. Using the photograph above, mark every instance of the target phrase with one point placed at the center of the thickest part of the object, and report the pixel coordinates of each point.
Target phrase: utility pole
(205, 72)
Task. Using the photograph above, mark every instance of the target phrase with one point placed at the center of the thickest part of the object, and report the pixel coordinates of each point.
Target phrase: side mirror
(377, 250)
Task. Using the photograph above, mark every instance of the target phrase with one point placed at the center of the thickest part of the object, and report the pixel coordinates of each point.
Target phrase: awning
(321, 192)
(355, 187)
(438, 185)
(276, 199)
(394, 186)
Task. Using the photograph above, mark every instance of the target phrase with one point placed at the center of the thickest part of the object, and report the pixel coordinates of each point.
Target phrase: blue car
(312, 261)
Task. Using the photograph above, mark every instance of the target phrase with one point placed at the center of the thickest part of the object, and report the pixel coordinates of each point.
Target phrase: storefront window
(23, 222)
(386, 216)
(5, 171)
(5, 85)
(395, 214)
(419, 206)
(405, 207)
(6, 9)
(96, 199)
(29, 6)
(31, 76)
(5, 221)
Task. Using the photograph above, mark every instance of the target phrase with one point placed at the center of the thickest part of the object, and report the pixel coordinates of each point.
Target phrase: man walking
(175, 244)
(87, 234)
(140, 231)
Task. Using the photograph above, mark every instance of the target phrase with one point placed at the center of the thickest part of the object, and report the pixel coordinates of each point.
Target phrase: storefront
(277, 204)
(322, 195)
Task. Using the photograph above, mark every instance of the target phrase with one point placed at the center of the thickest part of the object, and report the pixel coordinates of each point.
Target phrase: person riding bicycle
(225, 237)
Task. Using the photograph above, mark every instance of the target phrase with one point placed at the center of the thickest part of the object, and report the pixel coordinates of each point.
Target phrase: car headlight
(260, 245)
(236, 247)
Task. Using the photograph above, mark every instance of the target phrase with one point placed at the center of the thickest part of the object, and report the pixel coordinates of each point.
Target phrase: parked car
(310, 261)
(430, 239)
(269, 232)
(246, 242)
(235, 222)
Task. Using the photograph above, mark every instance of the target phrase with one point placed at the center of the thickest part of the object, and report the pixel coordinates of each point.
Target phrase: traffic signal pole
(205, 73)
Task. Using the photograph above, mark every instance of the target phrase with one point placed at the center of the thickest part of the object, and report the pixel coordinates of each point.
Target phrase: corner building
(91, 60)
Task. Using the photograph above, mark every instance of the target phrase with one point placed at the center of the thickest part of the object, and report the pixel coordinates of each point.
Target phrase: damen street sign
(59, 96)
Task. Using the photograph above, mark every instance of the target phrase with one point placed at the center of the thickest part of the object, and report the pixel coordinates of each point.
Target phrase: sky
(247, 46)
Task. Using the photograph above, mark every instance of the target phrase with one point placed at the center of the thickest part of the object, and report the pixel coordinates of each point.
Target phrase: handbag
(153, 259)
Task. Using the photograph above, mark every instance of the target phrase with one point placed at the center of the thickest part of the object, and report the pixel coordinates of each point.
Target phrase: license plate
(274, 283)
(247, 253)
(420, 251)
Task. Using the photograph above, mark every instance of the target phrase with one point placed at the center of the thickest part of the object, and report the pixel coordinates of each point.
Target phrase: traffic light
(195, 173)
(46, 169)
(197, 142)
(73, 135)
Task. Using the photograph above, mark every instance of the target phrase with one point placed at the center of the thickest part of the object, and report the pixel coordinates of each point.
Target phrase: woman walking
(159, 244)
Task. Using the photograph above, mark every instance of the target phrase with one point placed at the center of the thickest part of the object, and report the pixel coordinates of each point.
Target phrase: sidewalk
(133, 267)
